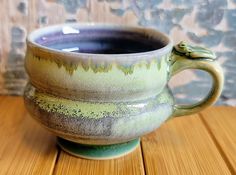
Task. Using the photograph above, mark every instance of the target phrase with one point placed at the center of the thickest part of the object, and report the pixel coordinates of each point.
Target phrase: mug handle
(185, 56)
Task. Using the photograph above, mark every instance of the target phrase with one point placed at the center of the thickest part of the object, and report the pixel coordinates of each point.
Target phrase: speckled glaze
(98, 122)
(105, 99)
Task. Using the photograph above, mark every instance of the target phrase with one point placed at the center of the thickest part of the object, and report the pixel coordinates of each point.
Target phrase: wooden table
(204, 143)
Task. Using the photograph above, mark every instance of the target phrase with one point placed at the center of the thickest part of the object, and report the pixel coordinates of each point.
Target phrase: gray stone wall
(210, 23)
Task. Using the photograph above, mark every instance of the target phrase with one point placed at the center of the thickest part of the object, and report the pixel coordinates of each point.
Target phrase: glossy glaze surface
(95, 76)
(98, 122)
(103, 93)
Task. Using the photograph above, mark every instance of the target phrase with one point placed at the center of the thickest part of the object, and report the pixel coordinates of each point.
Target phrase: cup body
(105, 77)
(98, 98)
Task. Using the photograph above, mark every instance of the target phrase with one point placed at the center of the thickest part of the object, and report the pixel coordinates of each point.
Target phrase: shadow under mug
(99, 87)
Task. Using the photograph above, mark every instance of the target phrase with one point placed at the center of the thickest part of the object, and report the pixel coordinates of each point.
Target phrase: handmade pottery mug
(100, 87)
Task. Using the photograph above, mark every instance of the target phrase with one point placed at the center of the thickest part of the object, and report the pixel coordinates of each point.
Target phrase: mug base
(98, 152)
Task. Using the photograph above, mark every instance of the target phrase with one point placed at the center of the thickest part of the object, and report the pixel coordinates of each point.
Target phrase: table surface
(203, 143)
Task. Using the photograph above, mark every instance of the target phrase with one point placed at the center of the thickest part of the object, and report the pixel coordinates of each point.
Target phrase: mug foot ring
(97, 152)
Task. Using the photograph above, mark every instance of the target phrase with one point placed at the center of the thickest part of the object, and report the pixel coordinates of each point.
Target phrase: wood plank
(221, 122)
(182, 146)
(129, 164)
(26, 148)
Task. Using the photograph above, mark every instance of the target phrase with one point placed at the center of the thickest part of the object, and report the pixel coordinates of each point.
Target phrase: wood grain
(221, 123)
(130, 164)
(26, 148)
(182, 146)
(204, 144)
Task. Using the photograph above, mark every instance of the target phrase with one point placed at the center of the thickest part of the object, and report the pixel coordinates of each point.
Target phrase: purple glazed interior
(100, 40)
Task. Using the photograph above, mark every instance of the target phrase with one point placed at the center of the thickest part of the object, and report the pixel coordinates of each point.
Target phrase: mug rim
(32, 36)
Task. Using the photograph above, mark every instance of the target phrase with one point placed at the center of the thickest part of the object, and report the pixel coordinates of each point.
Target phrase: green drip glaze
(71, 66)
(126, 69)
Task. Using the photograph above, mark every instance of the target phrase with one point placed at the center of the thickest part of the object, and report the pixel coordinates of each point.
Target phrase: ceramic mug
(100, 87)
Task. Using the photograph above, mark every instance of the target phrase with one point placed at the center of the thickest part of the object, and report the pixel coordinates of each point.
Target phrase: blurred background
(210, 23)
